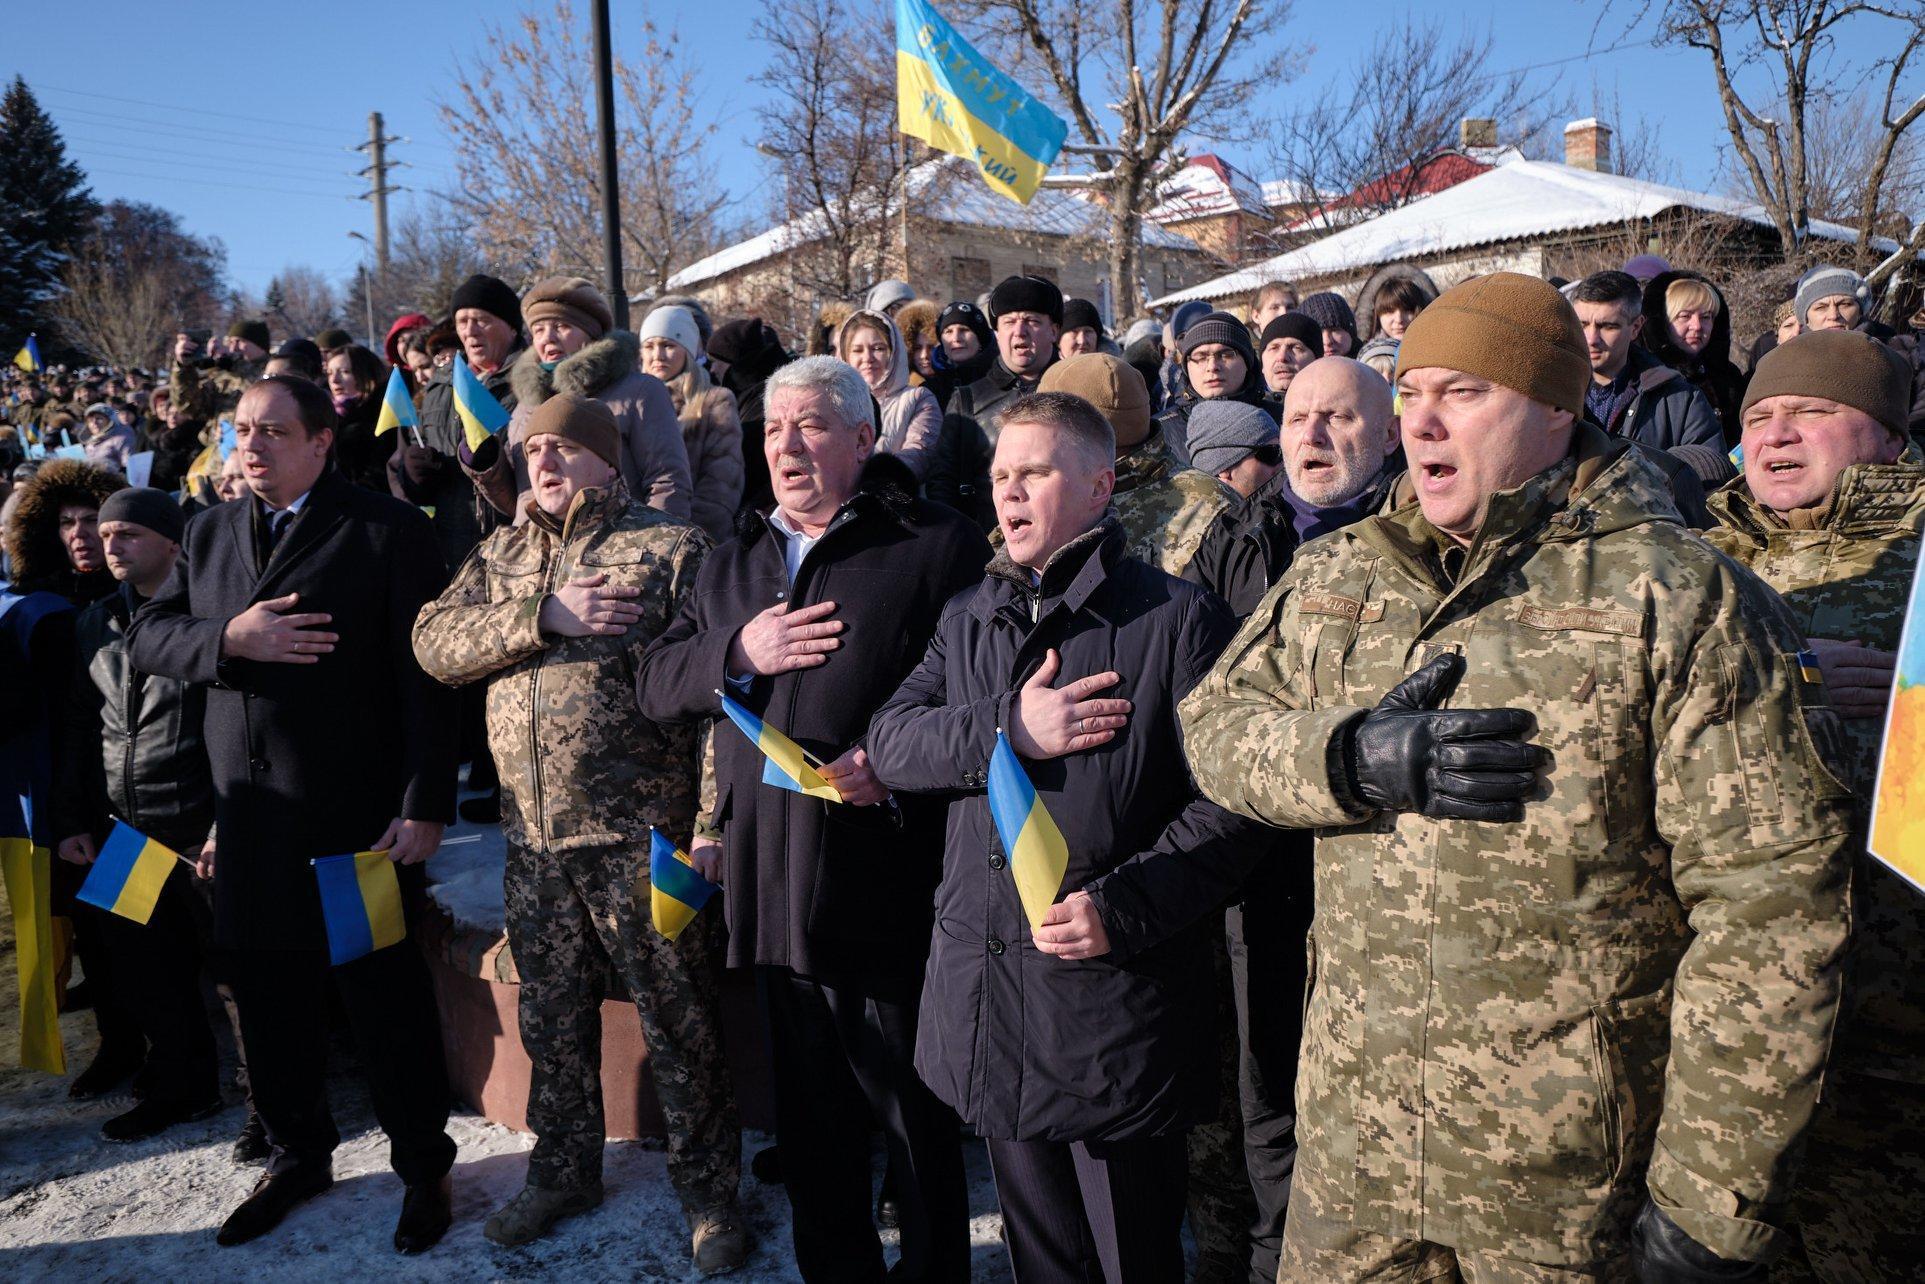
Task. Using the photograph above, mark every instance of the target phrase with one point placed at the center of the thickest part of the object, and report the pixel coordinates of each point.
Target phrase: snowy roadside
(75, 1207)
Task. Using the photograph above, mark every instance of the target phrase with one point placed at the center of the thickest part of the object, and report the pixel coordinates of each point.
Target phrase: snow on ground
(74, 1207)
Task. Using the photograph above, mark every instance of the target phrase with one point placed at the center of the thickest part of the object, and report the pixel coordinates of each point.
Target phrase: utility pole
(378, 189)
(611, 194)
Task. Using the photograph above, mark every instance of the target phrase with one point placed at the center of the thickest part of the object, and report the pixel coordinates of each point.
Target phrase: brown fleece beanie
(1514, 330)
(582, 420)
(1110, 384)
(1845, 366)
(568, 298)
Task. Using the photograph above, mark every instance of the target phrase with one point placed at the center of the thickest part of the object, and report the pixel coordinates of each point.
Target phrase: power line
(173, 129)
(239, 187)
(197, 111)
(194, 160)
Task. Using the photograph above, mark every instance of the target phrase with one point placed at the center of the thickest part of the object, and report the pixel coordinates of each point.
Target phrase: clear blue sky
(240, 120)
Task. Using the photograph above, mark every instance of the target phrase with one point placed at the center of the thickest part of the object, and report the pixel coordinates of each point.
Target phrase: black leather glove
(1451, 764)
(1661, 1253)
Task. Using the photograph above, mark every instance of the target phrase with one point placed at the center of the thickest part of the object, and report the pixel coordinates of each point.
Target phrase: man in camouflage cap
(1578, 938)
(1829, 513)
(554, 614)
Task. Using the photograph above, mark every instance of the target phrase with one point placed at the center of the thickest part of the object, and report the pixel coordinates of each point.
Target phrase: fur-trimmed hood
(34, 552)
(606, 361)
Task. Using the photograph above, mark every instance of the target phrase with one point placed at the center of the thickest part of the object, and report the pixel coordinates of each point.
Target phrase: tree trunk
(1126, 242)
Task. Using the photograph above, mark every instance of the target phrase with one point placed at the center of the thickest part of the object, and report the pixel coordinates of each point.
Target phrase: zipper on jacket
(534, 700)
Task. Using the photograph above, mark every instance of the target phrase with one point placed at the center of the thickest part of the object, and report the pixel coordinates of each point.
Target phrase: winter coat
(712, 439)
(580, 765)
(1663, 409)
(461, 516)
(818, 887)
(747, 380)
(36, 558)
(133, 746)
(111, 447)
(207, 389)
(1367, 297)
(1021, 1044)
(1711, 371)
(308, 759)
(911, 419)
(361, 456)
(654, 461)
(959, 474)
(1849, 577)
(1517, 1030)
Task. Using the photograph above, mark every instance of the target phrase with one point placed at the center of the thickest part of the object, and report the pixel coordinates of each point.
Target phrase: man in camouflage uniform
(554, 614)
(206, 388)
(1829, 513)
(1576, 960)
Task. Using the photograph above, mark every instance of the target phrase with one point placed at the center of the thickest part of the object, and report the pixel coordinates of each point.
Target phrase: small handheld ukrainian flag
(397, 407)
(676, 893)
(361, 904)
(27, 869)
(28, 358)
(1737, 456)
(786, 765)
(127, 876)
(955, 100)
(1808, 667)
(1038, 855)
(481, 415)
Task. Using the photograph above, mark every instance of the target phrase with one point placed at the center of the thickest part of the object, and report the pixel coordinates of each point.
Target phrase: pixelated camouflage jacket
(1849, 579)
(1489, 1059)
(1166, 507)
(580, 765)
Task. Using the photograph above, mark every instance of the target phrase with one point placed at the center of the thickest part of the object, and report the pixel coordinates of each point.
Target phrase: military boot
(534, 1211)
(719, 1243)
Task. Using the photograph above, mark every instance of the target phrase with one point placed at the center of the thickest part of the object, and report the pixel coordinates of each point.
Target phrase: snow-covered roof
(1288, 191)
(1515, 201)
(964, 200)
(1207, 187)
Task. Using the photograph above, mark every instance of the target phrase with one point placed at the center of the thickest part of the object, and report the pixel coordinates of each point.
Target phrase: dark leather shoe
(112, 1066)
(152, 1117)
(252, 1146)
(426, 1213)
(274, 1197)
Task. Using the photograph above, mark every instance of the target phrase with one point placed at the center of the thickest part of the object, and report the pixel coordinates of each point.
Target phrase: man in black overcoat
(810, 617)
(294, 606)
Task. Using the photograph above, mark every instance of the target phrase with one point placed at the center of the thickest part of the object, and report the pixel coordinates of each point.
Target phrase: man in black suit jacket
(294, 606)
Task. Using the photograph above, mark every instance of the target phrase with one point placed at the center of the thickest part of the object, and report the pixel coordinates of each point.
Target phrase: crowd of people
(1459, 711)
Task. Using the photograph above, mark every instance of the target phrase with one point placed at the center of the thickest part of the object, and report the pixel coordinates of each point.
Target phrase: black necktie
(276, 525)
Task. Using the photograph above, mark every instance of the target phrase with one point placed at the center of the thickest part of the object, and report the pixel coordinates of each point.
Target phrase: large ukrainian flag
(28, 358)
(127, 876)
(1038, 854)
(950, 96)
(28, 870)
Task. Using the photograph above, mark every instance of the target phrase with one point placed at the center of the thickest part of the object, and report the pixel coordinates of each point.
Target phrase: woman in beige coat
(711, 427)
(911, 419)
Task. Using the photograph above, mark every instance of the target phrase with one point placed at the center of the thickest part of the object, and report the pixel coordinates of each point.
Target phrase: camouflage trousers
(573, 919)
(1320, 1246)
(1221, 1205)
(1859, 1210)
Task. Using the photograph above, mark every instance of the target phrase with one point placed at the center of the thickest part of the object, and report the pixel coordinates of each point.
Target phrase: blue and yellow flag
(1038, 856)
(1808, 667)
(127, 876)
(481, 415)
(28, 358)
(397, 407)
(952, 98)
(676, 893)
(786, 765)
(360, 903)
(28, 871)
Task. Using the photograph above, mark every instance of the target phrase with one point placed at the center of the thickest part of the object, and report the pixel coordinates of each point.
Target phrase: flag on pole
(952, 98)
(28, 870)
(360, 904)
(786, 765)
(128, 874)
(1898, 798)
(676, 893)
(28, 358)
(1038, 855)
(481, 415)
(397, 407)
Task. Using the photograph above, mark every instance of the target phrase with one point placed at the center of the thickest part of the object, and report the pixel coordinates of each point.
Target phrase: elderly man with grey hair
(810, 618)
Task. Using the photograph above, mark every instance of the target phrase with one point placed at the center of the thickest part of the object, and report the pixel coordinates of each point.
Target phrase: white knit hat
(675, 323)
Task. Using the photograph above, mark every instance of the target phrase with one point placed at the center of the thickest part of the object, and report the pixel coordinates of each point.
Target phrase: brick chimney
(1587, 145)
(1476, 131)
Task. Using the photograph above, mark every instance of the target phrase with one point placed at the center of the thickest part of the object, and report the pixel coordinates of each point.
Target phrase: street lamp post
(367, 286)
(611, 195)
